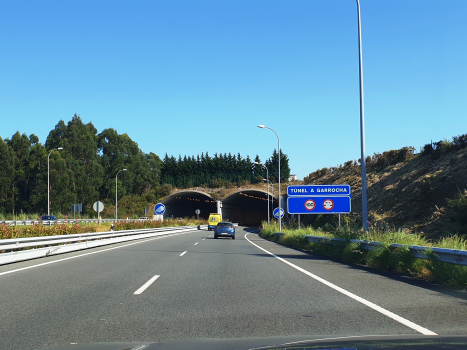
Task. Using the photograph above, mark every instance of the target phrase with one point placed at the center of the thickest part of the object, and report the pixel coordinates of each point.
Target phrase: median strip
(146, 285)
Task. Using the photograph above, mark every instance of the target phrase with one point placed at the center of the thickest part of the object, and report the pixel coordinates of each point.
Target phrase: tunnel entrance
(184, 204)
(248, 207)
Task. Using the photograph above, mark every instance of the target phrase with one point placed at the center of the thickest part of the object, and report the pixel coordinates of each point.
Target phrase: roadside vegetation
(38, 230)
(420, 192)
(398, 260)
(84, 164)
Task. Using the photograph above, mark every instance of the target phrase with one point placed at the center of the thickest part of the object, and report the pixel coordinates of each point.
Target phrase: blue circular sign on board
(159, 209)
(276, 213)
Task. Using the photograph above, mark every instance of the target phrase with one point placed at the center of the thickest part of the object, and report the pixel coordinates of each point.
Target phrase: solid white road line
(146, 285)
(78, 256)
(196, 243)
(183, 253)
(351, 295)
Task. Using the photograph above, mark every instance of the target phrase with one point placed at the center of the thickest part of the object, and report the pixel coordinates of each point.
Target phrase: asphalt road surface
(193, 286)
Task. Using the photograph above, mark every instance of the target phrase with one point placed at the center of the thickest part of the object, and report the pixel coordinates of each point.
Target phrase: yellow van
(214, 218)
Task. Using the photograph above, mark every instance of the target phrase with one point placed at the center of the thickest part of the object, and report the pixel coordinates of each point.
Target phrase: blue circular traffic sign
(276, 213)
(159, 209)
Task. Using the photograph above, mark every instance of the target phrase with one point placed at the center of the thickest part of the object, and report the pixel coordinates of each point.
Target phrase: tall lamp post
(272, 194)
(279, 178)
(48, 178)
(267, 177)
(362, 123)
(116, 195)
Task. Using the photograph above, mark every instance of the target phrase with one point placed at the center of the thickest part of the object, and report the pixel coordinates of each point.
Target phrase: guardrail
(61, 221)
(451, 256)
(16, 248)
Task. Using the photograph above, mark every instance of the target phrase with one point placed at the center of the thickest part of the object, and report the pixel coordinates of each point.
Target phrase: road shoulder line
(365, 302)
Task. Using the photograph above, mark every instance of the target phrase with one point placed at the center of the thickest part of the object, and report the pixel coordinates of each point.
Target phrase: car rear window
(224, 224)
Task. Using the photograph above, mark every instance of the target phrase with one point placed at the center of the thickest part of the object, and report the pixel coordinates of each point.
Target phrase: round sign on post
(328, 204)
(197, 211)
(310, 204)
(159, 209)
(98, 206)
(276, 213)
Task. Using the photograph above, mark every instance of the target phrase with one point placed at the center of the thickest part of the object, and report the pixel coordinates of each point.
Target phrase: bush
(386, 258)
(380, 160)
(165, 190)
(458, 212)
(40, 230)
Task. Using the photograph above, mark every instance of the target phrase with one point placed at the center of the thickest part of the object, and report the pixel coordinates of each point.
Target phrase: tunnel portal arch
(248, 207)
(184, 203)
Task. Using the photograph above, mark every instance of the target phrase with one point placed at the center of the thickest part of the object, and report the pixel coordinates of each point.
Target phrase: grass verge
(386, 258)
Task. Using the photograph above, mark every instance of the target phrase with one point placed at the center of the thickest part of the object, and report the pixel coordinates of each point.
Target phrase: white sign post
(98, 207)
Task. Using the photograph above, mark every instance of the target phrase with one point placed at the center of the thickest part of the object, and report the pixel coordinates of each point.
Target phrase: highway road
(193, 286)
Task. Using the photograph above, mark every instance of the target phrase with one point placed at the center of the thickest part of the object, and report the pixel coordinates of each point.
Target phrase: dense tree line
(221, 170)
(84, 170)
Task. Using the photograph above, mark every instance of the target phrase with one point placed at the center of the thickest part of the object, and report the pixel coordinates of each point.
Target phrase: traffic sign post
(319, 205)
(276, 213)
(76, 208)
(318, 190)
(319, 199)
(159, 209)
(197, 212)
(98, 207)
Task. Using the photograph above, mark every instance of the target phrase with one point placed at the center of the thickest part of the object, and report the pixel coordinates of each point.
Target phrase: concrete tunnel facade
(185, 203)
(245, 207)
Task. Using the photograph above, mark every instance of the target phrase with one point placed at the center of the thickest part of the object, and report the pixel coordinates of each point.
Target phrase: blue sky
(186, 77)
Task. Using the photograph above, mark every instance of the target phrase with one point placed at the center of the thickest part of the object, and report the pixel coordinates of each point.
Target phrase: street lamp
(116, 195)
(362, 123)
(272, 194)
(48, 178)
(267, 177)
(279, 178)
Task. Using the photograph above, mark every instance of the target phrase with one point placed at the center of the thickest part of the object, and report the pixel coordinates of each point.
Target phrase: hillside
(407, 190)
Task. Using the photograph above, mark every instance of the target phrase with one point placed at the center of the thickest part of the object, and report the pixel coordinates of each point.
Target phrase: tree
(79, 142)
(20, 144)
(7, 173)
(273, 166)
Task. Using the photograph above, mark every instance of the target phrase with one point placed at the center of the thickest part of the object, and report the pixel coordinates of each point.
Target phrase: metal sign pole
(362, 123)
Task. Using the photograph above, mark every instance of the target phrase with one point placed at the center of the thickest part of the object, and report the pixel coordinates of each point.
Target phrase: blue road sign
(159, 209)
(318, 205)
(276, 213)
(318, 190)
(75, 208)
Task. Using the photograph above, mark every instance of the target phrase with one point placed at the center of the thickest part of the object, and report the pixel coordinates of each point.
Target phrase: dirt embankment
(405, 190)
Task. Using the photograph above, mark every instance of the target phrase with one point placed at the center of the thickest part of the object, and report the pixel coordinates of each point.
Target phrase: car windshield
(224, 224)
(331, 134)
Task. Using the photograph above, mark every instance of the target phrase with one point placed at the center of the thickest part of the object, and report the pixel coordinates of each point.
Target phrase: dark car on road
(226, 229)
(48, 218)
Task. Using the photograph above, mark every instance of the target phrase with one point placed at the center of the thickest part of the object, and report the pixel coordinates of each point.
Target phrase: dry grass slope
(405, 190)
